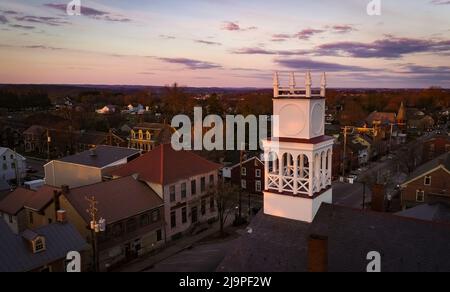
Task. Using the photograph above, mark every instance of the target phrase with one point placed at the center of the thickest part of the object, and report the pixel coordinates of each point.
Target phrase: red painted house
(251, 178)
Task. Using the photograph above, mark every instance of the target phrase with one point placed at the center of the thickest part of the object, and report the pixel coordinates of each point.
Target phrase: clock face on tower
(292, 120)
(317, 119)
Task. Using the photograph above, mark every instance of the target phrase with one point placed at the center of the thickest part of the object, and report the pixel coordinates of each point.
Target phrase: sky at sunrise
(227, 43)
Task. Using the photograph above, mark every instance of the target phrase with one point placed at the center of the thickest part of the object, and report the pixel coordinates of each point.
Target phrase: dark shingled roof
(117, 199)
(280, 245)
(437, 212)
(24, 198)
(104, 156)
(164, 165)
(16, 256)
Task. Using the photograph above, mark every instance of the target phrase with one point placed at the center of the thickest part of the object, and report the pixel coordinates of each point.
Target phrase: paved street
(37, 165)
(349, 195)
(201, 258)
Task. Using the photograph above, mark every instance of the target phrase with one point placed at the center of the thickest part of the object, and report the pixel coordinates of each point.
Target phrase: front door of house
(194, 212)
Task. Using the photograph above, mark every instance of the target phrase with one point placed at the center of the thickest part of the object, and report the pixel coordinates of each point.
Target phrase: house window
(258, 173)
(173, 220)
(131, 225)
(5, 166)
(148, 135)
(141, 135)
(243, 171)
(4, 158)
(184, 215)
(183, 190)
(155, 216)
(145, 220)
(211, 180)
(159, 235)
(244, 184)
(203, 207)
(258, 186)
(193, 188)
(420, 196)
(13, 165)
(133, 134)
(211, 203)
(10, 219)
(39, 245)
(203, 184)
(31, 218)
(427, 181)
(172, 194)
(117, 229)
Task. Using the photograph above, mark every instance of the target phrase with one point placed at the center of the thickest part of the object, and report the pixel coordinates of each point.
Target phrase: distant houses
(12, 165)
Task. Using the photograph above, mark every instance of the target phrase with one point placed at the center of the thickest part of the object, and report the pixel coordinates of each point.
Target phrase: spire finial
(323, 86)
(276, 84)
(308, 83)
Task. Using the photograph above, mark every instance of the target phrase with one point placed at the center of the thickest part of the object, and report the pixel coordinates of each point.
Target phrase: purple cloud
(53, 21)
(440, 2)
(42, 47)
(261, 51)
(9, 12)
(207, 43)
(302, 64)
(234, 26)
(191, 64)
(306, 34)
(386, 48)
(343, 28)
(28, 27)
(3, 19)
(91, 12)
(253, 51)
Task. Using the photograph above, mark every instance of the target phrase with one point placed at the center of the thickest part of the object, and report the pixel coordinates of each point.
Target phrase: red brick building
(436, 147)
(430, 183)
(251, 178)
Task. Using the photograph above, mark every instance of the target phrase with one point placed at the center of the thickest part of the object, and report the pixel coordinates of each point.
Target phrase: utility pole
(96, 227)
(49, 140)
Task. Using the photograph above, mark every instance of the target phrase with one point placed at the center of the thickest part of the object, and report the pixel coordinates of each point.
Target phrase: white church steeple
(299, 155)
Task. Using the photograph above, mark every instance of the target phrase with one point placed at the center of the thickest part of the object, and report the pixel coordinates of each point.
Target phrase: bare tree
(226, 198)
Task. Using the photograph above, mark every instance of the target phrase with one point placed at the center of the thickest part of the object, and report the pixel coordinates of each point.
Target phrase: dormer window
(133, 134)
(427, 181)
(39, 245)
(141, 135)
(148, 136)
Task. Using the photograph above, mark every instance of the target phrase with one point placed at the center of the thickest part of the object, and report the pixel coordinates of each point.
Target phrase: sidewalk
(178, 246)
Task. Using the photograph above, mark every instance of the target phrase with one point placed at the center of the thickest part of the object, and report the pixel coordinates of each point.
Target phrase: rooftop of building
(281, 245)
(118, 199)
(164, 166)
(101, 156)
(16, 255)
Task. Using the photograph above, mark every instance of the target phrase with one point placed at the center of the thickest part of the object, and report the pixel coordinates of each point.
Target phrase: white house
(109, 109)
(12, 165)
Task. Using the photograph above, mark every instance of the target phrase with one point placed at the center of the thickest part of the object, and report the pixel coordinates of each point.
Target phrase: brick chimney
(378, 198)
(318, 254)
